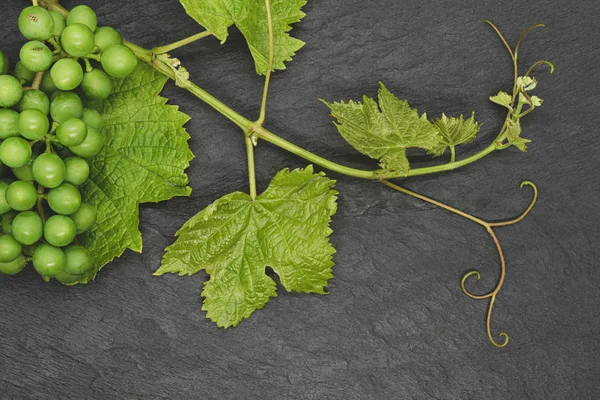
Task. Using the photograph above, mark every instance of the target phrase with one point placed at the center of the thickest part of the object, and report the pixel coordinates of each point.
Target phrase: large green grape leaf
(143, 160)
(384, 130)
(236, 238)
(250, 17)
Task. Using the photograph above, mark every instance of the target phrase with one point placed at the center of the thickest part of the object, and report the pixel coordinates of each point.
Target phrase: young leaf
(143, 160)
(250, 17)
(514, 135)
(236, 238)
(503, 99)
(384, 131)
(455, 131)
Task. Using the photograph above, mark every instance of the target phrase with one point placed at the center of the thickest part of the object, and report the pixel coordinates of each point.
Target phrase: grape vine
(253, 231)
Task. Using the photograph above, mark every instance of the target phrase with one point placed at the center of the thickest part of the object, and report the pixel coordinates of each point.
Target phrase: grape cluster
(47, 134)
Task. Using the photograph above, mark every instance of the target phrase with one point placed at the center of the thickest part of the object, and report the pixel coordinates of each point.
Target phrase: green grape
(118, 61)
(13, 267)
(36, 56)
(23, 74)
(33, 124)
(77, 40)
(27, 227)
(35, 23)
(83, 15)
(96, 85)
(79, 260)
(64, 199)
(15, 152)
(21, 195)
(68, 279)
(47, 85)
(7, 220)
(35, 100)
(66, 74)
(92, 118)
(48, 260)
(4, 207)
(78, 170)
(92, 145)
(10, 249)
(64, 106)
(85, 217)
(49, 170)
(9, 123)
(25, 173)
(11, 91)
(4, 64)
(59, 230)
(106, 36)
(72, 132)
(59, 23)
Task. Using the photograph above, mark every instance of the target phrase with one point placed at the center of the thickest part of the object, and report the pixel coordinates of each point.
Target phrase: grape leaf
(455, 131)
(236, 238)
(250, 17)
(503, 99)
(384, 131)
(143, 160)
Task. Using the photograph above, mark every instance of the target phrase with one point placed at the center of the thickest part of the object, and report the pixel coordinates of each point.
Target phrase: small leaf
(384, 131)
(143, 160)
(503, 99)
(455, 131)
(250, 17)
(514, 135)
(236, 238)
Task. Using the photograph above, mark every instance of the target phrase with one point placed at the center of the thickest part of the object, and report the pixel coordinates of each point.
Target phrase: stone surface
(395, 324)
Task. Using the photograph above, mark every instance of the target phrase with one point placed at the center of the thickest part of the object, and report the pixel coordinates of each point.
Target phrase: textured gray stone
(395, 324)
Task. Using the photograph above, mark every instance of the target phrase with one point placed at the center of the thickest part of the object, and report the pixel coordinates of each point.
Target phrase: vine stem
(183, 42)
(263, 105)
(35, 2)
(489, 226)
(251, 170)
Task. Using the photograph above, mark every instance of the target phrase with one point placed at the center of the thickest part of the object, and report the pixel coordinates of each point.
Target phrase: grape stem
(37, 81)
(40, 202)
(183, 42)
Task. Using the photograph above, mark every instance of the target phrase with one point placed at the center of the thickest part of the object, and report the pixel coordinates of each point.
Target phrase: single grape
(59, 230)
(48, 260)
(13, 267)
(49, 170)
(15, 152)
(9, 123)
(21, 195)
(85, 217)
(79, 260)
(72, 132)
(78, 170)
(4, 207)
(96, 85)
(83, 15)
(25, 173)
(36, 56)
(7, 220)
(66, 74)
(92, 118)
(92, 145)
(68, 279)
(23, 74)
(118, 61)
(27, 227)
(64, 199)
(47, 85)
(59, 23)
(11, 91)
(35, 100)
(36, 23)
(33, 124)
(4, 64)
(64, 106)
(77, 40)
(106, 36)
(10, 249)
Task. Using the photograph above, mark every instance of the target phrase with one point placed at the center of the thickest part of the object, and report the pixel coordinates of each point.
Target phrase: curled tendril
(525, 32)
(540, 62)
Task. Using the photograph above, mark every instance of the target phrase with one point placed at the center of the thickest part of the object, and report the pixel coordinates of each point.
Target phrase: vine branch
(180, 43)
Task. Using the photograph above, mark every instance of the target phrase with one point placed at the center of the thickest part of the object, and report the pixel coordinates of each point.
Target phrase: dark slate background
(395, 324)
